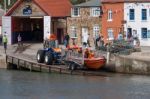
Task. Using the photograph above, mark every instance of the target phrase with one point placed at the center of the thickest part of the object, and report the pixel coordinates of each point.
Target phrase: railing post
(60, 71)
(40, 68)
(18, 64)
(31, 67)
(12, 60)
(6, 59)
(24, 64)
(49, 69)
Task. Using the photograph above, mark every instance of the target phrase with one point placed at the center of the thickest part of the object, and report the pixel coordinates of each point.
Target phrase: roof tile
(54, 8)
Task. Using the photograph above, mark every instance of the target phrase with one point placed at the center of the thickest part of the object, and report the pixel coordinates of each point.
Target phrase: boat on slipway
(79, 58)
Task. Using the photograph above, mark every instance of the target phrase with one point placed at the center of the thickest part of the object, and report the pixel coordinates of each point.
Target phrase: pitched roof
(91, 3)
(54, 8)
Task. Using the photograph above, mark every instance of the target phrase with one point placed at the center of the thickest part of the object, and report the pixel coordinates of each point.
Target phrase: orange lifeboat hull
(94, 63)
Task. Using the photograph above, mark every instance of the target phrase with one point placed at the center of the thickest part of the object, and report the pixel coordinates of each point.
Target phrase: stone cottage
(85, 20)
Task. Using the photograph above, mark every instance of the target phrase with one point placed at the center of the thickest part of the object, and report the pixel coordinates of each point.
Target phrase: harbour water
(36, 85)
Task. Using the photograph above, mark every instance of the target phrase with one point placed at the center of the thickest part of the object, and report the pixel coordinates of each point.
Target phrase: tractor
(50, 54)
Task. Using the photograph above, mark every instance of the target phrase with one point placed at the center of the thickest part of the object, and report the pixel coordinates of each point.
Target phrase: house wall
(138, 23)
(36, 11)
(116, 23)
(84, 20)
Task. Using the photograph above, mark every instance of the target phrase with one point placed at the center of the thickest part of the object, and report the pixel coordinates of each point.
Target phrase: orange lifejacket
(91, 55)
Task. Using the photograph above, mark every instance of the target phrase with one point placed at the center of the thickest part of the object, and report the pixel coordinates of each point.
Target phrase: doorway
(30, 29)
(84, 34)
(60, 35)
(129, 33)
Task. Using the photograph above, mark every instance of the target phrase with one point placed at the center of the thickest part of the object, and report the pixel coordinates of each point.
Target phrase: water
(34, 85)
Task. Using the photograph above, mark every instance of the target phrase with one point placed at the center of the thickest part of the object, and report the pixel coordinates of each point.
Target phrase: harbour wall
(3, 62)
(130, 65)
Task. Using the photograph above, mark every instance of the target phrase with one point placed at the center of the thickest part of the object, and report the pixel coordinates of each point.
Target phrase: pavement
(32, 48)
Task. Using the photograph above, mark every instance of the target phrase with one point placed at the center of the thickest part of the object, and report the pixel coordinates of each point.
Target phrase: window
(96, 31)
(73, 32)
(95, 11)
(144, 14)
(144, 32)
(110, 15)
(131, 14)
(76, 12)
(110, 34)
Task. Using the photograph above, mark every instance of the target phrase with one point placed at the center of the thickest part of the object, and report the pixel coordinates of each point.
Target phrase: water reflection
(32, 85)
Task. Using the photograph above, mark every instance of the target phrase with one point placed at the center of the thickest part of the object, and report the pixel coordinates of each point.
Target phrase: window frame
(110, 34)
(143, 35)
(110, 15)
(75, 12)
(143, 15)
(96, 30)
(73, 32)
(95, 11)
(131, 15)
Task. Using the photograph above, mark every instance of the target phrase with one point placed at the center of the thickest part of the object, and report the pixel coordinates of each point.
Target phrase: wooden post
(6, 59)
(24, 63)
(40, 68)
(49, 69)
(18, 64)
(12, 60)
(31, 67)
(60, 70)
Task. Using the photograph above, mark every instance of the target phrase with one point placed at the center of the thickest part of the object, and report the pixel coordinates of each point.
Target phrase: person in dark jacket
(66, 39)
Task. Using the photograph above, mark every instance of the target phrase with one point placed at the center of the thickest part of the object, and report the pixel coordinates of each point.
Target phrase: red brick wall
(115, 24)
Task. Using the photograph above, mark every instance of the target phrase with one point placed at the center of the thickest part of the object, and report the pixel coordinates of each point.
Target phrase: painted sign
(6, 28)
(47, 26)
(27, 10)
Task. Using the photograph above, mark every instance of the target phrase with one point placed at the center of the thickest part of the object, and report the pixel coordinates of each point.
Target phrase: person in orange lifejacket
(88, 54)
(91, 54)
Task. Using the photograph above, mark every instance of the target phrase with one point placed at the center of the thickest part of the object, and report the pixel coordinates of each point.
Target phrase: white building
(137, 20)
(1, 14)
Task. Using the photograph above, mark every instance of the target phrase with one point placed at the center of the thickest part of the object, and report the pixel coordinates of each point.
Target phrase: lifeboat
(94, 63)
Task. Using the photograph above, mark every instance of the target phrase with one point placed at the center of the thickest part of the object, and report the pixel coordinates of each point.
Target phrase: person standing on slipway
(19, 41)
(5, 42)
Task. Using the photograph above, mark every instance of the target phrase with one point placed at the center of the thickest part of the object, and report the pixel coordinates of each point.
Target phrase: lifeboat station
(35, 20)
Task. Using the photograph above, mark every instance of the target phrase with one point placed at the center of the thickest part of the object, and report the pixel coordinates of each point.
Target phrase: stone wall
(125, 64)
(3, 62)
(84, 20)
